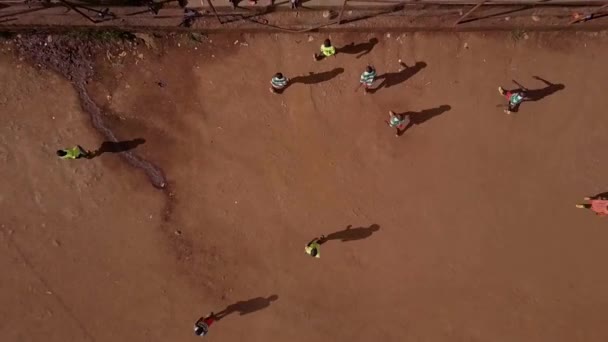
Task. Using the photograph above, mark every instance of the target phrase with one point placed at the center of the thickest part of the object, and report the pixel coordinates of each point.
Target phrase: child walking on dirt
(313, 248)
(75, 152)
(201, 327)
(278, 83)
(514, 97)
(598, 204)
(327, 50)
(367, 78)
(398, 121)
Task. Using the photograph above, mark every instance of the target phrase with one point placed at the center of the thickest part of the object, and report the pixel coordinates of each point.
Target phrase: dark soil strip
(72, 58)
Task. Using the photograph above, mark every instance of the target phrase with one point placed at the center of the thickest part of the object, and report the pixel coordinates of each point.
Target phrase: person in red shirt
(201, 327)
(598, 204)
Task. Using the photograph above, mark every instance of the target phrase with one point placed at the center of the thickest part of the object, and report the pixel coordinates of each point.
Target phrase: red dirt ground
(479, 239)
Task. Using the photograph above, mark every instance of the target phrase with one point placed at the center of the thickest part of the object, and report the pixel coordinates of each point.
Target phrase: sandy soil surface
(478, 236)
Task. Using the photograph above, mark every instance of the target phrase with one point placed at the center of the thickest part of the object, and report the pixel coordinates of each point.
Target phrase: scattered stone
(49, 39)
(236, 42)
(123, 54)
(388, 35)
(56, 243)
(507, 18)
(197, 37)
(466, 45)
(526, 36)
(326, 14)
(49, 292)
(178, 232)
(310, 39)
(535, 18)
(148, 39)
(140, 56)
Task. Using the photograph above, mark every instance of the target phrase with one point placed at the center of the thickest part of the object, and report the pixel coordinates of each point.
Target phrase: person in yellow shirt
(75, 152)
(327, 50)
(313, 248)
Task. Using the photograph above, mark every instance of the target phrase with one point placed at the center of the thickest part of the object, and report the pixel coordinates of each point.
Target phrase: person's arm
(519, 85)
(312, 241)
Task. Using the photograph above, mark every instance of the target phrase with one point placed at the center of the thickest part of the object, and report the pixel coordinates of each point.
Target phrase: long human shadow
(314, 78)
(417, 118)
(245, 307)
(539, 94)
(361, 48)
(352, 234)
(117, 146)
(390, 79)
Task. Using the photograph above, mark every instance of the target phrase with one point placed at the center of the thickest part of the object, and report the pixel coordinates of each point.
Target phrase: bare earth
(479, 239)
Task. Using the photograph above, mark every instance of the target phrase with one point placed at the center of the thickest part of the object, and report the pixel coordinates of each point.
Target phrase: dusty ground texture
(478, 236)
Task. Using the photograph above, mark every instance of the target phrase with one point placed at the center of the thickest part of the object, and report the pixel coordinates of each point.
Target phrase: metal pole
(342, 12)
(481, 2)
(215, 12)
(71, 6)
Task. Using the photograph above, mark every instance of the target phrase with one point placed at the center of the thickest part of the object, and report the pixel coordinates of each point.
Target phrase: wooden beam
(481, 2)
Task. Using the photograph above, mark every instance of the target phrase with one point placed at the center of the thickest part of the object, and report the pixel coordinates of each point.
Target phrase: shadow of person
(417, 118)
(117, 146)
(351, 234)
(362, 48)
(314, 78)
(390, 79)
(247, 306)
(538, 94)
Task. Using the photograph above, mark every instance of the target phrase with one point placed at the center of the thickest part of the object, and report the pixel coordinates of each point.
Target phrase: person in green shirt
(398, 121)
(313, 248)
(75, 152)
(327, 50)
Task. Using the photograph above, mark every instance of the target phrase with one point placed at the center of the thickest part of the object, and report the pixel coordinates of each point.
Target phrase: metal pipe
(481, 2)
(342, 12)
(215, 12)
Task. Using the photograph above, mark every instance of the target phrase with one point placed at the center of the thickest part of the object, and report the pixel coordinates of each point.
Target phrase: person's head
(199, 331)
(278, 75)
(369, 68)
(61, 153)
(314, 252)
(327, 43)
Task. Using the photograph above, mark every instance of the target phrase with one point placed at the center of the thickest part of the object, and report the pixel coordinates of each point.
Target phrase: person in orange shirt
(598, 204)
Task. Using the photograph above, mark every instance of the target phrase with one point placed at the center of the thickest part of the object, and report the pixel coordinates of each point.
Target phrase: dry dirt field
(478, 237)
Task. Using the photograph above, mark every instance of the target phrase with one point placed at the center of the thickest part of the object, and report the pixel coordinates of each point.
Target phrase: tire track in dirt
(73, 59)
